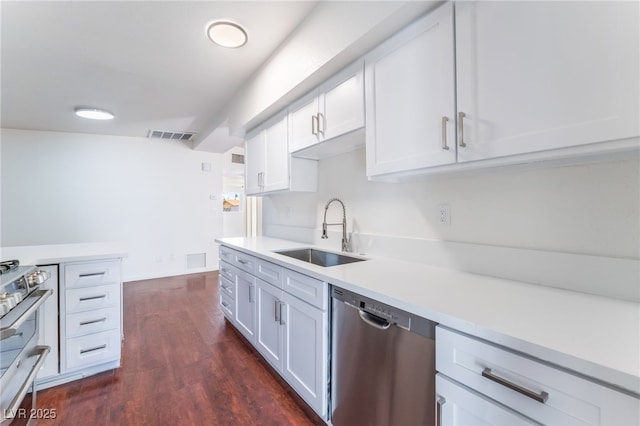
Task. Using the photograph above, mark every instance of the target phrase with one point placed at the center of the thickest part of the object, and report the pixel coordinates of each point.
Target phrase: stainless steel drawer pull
(244, 262)
(97, 348)
(277, 311)
(92, 274)
(282, 305)
(540, 397)
(461, 116)
(227, 289)
(84, 299)
(439, 403)
(444, 133)
(226, 306)
(103, 319)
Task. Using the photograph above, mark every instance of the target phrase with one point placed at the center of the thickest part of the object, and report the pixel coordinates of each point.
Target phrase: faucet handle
(324, 231)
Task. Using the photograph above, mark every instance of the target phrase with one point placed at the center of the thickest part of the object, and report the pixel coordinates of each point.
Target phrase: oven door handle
(42, 295)
(41, 352)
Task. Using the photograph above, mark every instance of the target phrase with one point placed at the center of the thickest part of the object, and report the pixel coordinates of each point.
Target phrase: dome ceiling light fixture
(227, 34)
(93, 113)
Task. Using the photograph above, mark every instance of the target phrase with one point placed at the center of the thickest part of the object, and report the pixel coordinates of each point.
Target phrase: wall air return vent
(237, 158)
(179, 136)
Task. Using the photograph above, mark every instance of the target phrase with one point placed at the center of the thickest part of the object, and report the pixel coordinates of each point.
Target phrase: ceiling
(148, 62)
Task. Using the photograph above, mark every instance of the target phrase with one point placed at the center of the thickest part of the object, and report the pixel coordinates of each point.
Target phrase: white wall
(574, 227)
(151, 195)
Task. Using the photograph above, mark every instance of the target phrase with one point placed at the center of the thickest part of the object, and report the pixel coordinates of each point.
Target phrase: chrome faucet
(345, 241)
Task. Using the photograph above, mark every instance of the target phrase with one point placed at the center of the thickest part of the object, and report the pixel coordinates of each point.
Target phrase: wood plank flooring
(182, 364)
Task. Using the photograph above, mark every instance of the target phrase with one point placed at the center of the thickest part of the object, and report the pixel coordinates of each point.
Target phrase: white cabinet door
(534, 76)
(255, 162)
(303, 122)
(410, 93)
(269, 332)
(463, 407)
(341, 104)
(305, 357)
(276, 173)
(246, 305)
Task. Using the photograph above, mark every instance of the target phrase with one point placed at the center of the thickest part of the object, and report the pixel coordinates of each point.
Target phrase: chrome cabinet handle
(103, 319)
(277, 310)
(244, 262)
(444, 133)
(314, 125)
(439, 403)
(12, 329)
(282, 321)
(321, 124)
(461, 116)
(250, 293)
(541, 397)
(226, 306)
(97, 348)
(227, 289)
(92, 274)
(41, 352)
(84, 299)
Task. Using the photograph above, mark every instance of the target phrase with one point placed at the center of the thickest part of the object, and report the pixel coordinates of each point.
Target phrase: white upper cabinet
(268, 166)
(335, 109)
(534, 76)
(410, 97)
(520, 81)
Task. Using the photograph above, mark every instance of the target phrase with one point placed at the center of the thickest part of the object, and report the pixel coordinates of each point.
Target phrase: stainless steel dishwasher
(383, 364)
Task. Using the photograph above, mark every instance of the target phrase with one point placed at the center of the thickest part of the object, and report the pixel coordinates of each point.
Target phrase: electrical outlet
(444, 214)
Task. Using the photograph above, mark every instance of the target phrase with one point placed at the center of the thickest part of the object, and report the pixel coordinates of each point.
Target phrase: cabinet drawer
(244, 261)
(269, 272)
(227, 288)
(548, 395)
(228, 306)
(91, 273)
(227, 271)
(85, 299)
(226, 254)
(309, 289)
(93, 321)
(93, 349)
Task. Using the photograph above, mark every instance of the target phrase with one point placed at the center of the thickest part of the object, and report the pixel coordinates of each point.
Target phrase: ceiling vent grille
(237, 158)
(176, 136)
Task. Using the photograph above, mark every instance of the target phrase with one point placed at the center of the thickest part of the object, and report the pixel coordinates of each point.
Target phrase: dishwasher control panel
(373, 307)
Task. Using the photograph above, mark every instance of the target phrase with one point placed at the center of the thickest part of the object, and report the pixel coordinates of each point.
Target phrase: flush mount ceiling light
(227, 34)
(93, 113)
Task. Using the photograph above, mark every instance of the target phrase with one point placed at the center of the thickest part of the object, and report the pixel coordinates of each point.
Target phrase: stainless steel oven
(20, 355)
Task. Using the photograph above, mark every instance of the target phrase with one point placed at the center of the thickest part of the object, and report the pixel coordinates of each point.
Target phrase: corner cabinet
(335, 110)
(284, 315)
(532, 81)
(269, 167)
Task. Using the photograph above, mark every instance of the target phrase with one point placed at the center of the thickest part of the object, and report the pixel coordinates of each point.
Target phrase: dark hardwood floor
(182, 364)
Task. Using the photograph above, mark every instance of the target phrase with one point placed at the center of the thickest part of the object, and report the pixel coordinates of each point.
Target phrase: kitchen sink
(319, 257)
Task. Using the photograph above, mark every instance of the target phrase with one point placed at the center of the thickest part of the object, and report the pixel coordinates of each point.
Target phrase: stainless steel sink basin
(319, 257)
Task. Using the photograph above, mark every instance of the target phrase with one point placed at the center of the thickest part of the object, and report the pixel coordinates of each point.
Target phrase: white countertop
(60, 253)
(593, 335)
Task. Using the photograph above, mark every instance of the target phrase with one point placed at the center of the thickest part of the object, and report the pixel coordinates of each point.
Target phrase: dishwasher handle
(373, 320)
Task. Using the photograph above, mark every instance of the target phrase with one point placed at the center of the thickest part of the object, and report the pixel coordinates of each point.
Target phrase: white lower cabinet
(495, 384)
(290, 331)
(460, 406)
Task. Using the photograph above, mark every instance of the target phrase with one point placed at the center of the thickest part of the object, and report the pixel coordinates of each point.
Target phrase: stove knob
(4, 307)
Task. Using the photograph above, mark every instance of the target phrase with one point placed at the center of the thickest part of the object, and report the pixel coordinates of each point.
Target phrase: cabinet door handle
(92, 274)
(282, 322)
(84, 299)
(250, 293)
(321, 124)
(97, 348)
(314, 125)
(444, 133)
(461, 116)
(540, 397)
(103, 319)
(277, 310)
(439, 403)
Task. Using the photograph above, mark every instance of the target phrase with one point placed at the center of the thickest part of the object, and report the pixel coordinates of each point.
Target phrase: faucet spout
(345, 239)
